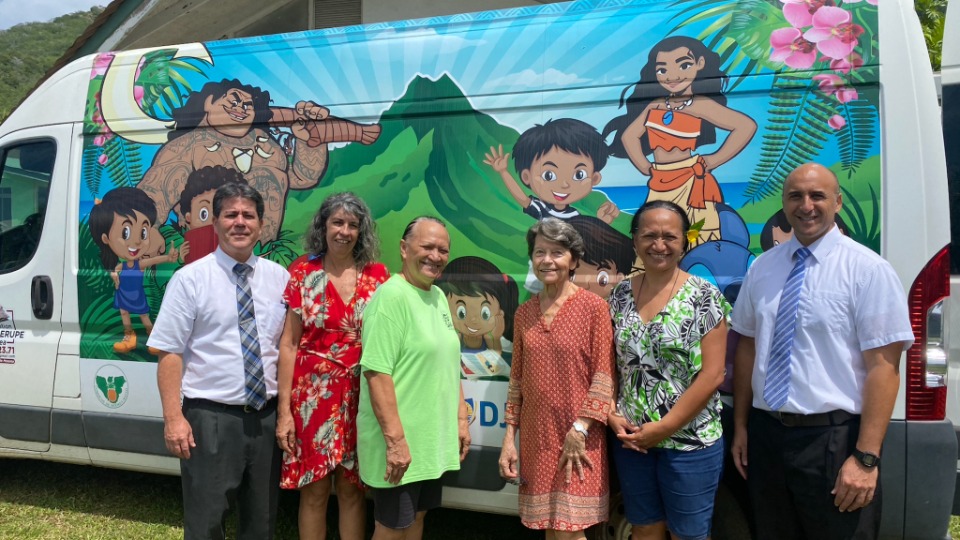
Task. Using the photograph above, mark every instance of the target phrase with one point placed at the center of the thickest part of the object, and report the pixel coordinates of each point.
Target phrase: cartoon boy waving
(560, 162)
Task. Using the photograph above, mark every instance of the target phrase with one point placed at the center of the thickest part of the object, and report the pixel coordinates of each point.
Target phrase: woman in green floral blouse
(670, 334)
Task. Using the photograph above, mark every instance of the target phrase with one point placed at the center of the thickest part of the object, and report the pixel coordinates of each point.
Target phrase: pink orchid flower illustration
(836, 122)
(799, 13)
(832, 85)
(871, 2)
(790, 48)
(834, 34)
(848, 64)
(102, 160)
(100, 64)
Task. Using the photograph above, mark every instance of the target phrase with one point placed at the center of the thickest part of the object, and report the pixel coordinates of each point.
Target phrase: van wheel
(729, 520)
(616, 528)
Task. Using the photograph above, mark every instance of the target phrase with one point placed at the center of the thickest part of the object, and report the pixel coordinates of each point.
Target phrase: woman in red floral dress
(318, 373)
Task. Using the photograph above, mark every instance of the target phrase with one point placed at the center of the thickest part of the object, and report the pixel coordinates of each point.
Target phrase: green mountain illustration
(429, 160)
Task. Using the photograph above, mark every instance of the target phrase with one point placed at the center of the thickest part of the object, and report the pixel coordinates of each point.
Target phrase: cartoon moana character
(674, 108)
(482, 301)
(120, 225)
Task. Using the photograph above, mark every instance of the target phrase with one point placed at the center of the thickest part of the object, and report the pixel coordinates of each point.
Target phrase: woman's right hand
(286, 433)
(508, 461)
(622, 426)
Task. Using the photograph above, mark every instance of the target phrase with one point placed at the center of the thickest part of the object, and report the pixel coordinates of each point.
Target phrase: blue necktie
(777, 386)
(255, 390)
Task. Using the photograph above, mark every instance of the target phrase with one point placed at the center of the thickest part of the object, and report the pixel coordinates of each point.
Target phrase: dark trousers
(236, 464)
(792, 471)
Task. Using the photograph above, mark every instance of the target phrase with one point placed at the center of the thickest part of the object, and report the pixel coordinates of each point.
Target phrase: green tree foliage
(28, 50)
(932, 15)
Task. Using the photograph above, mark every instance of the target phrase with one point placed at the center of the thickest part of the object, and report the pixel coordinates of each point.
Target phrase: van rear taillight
(927, 360)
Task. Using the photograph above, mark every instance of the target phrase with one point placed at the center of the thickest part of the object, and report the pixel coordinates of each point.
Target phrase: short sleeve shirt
(538, 209)
(851, 301)
(408, 334)
(198, 319)
(658, 360)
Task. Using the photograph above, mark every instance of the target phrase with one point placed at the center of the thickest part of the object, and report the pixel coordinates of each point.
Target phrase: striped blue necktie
(255, 390)
(777, 386)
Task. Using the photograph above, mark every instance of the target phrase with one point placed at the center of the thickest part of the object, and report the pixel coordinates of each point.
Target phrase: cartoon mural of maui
(675, 108)
(226, 123)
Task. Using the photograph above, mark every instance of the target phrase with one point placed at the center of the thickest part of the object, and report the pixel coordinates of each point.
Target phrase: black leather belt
(194, 402)
(831, 418)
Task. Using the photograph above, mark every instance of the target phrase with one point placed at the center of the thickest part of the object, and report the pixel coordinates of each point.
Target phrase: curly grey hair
(366, 250)
(561, 232)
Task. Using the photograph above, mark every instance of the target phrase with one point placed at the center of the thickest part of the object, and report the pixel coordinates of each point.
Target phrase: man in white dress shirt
(814, 389)
(219, 352)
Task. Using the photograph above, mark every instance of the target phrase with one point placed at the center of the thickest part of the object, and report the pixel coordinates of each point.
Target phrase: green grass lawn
(53, 501)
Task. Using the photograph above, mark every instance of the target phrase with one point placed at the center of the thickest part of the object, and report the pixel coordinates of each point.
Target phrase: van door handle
(41, 297)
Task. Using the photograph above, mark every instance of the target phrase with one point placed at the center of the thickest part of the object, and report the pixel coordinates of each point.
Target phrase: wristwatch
(867, 459)
(580, 428)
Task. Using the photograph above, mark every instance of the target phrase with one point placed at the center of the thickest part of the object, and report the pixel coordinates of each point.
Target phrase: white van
(413, 108)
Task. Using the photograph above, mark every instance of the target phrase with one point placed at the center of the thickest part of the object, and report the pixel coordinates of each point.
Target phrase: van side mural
(709, 105)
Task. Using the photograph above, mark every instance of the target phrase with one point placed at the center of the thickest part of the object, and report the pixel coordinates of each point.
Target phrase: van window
(25, 172)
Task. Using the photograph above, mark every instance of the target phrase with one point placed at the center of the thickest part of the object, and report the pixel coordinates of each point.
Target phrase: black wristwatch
(866, 459)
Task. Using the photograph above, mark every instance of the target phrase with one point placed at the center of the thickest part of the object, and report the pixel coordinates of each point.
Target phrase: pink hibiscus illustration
(792, 49)
(834, 34)
(799, 13)
(832, 85)
(836, 122)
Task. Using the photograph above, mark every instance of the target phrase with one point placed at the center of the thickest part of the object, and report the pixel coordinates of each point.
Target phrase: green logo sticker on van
(112, 387)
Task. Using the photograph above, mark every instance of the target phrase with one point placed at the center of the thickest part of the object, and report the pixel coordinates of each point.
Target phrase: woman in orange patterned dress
(560, 392)
(318, 372)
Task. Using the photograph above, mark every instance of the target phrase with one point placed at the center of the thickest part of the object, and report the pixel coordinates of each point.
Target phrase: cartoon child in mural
(120, 226)
(607, 258)
(482, 301)
(676, 107)
(196, 206)
(560, 161)
(225, 124)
